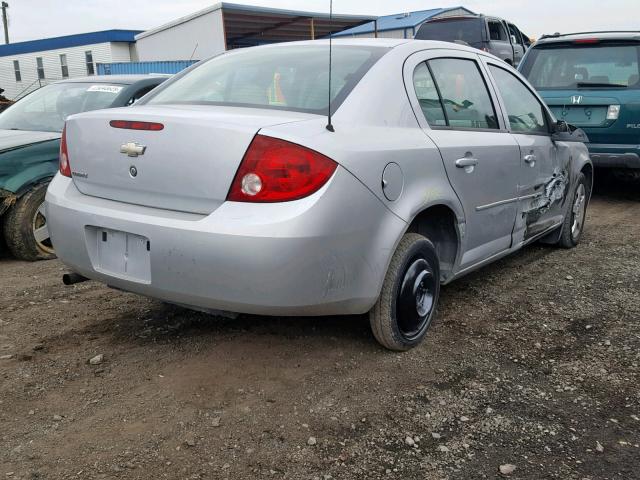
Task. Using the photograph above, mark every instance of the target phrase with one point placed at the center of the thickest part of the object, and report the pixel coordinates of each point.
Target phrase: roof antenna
(329, 124)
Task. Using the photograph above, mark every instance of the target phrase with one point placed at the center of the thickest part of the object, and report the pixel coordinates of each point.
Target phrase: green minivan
(592, 81)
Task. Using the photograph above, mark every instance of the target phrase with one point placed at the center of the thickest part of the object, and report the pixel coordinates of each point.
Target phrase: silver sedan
(230, 189)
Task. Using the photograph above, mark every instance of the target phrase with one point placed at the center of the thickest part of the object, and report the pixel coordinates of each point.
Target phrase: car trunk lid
(187, 166)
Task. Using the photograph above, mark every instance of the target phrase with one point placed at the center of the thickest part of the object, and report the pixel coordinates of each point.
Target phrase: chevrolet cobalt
(229, 189)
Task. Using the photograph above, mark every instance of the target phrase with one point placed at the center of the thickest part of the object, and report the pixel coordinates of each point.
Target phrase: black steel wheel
(407, 304)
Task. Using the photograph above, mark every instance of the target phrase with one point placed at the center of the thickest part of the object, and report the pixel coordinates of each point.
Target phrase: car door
(454, 106)
(544, 176)
(499, 43)
(517, 43)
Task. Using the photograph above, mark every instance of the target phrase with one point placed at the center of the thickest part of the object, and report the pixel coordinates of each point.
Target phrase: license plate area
(121, 254)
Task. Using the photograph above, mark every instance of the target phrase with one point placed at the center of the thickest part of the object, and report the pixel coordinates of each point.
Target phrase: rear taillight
(65, 167)
(274, 170)
(613, 112)
(583, 41)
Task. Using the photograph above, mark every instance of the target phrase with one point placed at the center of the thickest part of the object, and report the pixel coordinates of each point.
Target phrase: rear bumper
(323, 255)
(614, 155)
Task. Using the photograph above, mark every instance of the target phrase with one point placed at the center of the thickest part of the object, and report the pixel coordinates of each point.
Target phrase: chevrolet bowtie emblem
(132, 149)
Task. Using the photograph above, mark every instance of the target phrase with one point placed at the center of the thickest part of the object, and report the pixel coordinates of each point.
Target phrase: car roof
(605, 35)
(390, 43)
(119, 79)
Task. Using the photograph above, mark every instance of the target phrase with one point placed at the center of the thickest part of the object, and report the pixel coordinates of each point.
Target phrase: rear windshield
(465, 31)
(585, 66)
(284, 77)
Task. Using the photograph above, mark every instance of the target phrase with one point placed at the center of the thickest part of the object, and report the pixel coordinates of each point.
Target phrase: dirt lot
(533, 362)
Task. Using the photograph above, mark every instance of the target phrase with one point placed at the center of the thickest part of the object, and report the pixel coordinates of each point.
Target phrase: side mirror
(564, 132)
(514, 40)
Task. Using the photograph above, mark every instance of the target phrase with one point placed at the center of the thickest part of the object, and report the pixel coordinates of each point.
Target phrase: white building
(401, 25)
(25, 66)
(225, 26)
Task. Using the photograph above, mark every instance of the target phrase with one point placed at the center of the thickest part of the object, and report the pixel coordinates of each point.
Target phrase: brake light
(586, 40)
(131, 125)
(275, 170)
(65, 167)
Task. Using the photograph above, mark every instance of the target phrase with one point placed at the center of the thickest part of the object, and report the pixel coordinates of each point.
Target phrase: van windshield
(284, 77)
(575, 67)
(460, 30)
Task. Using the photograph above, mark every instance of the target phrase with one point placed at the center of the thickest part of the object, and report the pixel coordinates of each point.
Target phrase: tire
(575, 217)
(409, 297)
(25, 227)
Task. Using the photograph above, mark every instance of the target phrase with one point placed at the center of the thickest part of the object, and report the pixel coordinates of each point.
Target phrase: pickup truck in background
(491, 34)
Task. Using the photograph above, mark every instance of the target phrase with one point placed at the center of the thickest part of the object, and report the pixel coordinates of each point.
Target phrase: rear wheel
(576, 214)
(25, 227)
(409, 297)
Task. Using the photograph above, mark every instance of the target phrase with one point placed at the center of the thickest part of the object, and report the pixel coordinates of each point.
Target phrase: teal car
(30, 133)
(592, 81)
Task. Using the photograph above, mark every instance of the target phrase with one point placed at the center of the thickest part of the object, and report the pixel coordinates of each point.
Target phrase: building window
(40, 66)
(89, 61)
(16, 69)
(63, 66)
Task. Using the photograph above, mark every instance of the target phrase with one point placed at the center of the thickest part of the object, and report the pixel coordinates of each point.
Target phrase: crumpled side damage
(554, 192)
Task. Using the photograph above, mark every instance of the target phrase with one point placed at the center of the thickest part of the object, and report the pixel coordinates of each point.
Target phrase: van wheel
(25, 227)
(575, 217)
(409, 297)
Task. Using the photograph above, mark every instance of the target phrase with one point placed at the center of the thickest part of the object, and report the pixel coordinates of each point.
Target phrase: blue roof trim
(67, 41)
(398, 21)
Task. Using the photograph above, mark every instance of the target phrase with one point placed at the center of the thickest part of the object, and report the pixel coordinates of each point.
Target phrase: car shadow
(607, 186)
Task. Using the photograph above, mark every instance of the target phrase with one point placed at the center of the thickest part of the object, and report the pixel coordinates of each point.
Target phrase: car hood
(11, 139)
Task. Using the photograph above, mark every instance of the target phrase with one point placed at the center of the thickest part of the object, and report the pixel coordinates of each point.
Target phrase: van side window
(497, 32)
(464, 94)
(428, 97)
(526, 114)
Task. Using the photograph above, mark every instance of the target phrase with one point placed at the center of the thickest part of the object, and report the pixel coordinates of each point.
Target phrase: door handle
(466, 162)
(530, 159)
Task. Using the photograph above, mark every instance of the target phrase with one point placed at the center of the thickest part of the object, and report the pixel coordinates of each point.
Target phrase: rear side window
(462, 93)
(584, 66)
(428, 97)
(497, 32)
(525, 112)
(465, 31)
(284, 77)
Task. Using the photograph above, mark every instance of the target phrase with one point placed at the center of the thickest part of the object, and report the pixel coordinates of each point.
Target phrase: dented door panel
(543, 186)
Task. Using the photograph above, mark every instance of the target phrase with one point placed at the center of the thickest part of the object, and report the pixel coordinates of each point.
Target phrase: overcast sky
(32, 19)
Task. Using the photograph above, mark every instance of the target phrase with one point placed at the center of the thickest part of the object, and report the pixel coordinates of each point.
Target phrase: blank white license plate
(124, 255)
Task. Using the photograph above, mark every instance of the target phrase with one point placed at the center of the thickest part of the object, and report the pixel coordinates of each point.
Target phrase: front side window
(63, 66)
(526, 114)
(515, 33)
(40, 68)
(89, 61)
(16, 70)
(597, 65)
(463, 93)
(497, 32)
(285, 77)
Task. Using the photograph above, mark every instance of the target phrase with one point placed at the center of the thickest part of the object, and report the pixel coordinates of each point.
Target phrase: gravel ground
(530, 372)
